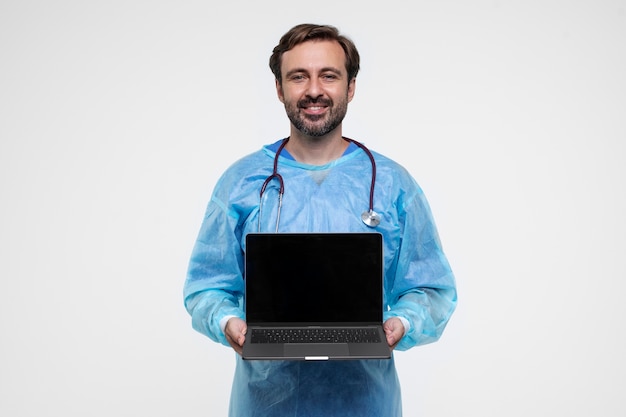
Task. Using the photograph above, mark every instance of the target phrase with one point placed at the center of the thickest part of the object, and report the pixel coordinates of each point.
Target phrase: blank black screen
(313, 277)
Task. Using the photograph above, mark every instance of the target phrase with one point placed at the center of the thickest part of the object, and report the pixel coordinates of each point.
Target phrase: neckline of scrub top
(285, 154)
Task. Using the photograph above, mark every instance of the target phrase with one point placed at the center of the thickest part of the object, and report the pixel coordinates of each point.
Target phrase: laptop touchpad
(318, 349)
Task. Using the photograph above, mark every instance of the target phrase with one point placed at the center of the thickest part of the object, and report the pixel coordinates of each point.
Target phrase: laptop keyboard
(315, 335)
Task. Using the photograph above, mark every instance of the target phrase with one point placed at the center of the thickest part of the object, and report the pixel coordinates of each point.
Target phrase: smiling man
(316, 89)
(321, 187)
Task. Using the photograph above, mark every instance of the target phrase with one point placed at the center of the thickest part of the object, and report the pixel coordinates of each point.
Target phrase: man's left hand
(394, 330)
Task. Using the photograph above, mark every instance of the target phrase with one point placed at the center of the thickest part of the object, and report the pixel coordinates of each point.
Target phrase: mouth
(314, 109)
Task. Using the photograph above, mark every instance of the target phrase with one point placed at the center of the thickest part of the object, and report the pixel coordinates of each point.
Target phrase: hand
(235, 332)
(394, 330)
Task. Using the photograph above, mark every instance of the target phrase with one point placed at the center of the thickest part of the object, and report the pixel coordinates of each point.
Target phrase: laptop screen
(314, 277)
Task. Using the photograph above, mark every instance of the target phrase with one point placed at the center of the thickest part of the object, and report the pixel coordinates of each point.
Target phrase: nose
(314, 88)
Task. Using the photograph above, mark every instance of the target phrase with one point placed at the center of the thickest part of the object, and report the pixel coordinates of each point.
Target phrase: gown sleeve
(423, 289)
(214, 285)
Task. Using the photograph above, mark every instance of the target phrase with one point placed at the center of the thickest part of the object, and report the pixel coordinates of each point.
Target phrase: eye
(297, 78)
(329, 77)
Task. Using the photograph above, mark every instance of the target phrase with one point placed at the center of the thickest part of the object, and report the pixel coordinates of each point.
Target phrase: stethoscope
(369, 217)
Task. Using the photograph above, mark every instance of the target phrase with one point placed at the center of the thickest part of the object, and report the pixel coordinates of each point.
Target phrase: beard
(316, 126)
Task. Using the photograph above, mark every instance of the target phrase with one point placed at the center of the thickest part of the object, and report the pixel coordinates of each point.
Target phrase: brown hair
(307, 32)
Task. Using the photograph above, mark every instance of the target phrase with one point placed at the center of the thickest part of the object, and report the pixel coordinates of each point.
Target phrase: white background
(117, 117)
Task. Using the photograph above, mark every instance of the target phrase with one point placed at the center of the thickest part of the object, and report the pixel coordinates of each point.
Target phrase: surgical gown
(419, 285)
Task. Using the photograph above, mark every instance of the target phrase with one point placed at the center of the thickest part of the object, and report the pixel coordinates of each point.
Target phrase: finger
(237, 347)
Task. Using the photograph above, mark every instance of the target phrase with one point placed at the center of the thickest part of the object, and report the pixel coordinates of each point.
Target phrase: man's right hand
(235, 332)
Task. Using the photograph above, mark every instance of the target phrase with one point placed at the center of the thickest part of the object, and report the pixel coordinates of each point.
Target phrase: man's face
(315, 88)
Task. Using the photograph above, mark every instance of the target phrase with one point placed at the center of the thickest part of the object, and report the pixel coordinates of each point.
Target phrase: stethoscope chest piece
(370, 218)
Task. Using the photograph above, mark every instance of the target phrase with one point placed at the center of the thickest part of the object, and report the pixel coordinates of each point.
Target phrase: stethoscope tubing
(371, 157)
(370, 217)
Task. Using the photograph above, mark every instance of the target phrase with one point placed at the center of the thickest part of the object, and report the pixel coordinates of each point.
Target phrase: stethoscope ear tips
(370, 218)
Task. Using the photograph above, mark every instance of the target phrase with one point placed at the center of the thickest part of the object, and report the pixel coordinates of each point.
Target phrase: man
(325, 190)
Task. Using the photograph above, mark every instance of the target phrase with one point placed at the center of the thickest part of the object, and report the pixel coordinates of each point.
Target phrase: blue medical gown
(418, 284)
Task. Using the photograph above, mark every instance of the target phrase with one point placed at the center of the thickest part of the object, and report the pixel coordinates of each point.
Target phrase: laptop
(314, 296)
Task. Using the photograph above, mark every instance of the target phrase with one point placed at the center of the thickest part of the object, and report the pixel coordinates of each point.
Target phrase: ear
(351, 89)
(279, 92)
